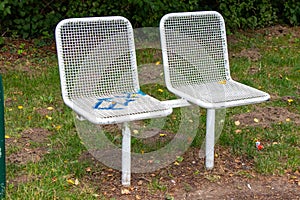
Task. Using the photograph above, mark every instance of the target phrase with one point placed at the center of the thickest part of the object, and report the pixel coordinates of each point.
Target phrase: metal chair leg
(210, 138)
(126, 155)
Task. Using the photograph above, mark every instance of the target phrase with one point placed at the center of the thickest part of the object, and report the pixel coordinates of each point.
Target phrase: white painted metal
(99, 77)
(210, 138)
(176, 103)
(98, 71)
(196, 65)
(126, 154)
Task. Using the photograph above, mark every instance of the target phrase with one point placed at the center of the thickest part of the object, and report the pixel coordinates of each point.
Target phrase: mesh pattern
(196, 61)
(96, 57)
(196, 49)
(135, 109)
(218, 93)
(98, 71)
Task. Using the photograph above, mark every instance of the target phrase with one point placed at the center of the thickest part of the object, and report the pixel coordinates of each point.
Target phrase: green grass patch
(33, 100)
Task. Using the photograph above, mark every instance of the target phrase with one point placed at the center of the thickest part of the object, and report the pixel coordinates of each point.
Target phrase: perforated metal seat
(99, 77)
(98, 71)
(196, 66)
(196, 61)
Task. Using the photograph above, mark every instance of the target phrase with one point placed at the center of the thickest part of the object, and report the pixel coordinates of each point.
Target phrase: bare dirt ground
(232, 177)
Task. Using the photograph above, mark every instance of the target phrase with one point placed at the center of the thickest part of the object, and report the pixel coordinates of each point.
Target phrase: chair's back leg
(126, 154)
(210, 138)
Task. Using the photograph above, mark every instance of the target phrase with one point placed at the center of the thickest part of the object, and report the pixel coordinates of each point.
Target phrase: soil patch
(27, 151)
(252, 54)
(266, 116)
(231, 178)
(24, 56)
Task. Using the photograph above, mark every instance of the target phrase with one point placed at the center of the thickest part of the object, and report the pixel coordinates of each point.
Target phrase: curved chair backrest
(96, 57)
(194, 48)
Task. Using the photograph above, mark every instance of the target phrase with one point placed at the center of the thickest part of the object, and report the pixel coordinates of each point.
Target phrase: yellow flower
(160, 90)
(20, 107)
(290, 100)
(157, 63)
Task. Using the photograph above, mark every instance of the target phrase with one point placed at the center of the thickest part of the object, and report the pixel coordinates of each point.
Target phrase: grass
(32, 84)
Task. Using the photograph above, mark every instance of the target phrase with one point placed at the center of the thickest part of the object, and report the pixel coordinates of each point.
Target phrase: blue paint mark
(100, 101)
(122, 100)
(141, 93)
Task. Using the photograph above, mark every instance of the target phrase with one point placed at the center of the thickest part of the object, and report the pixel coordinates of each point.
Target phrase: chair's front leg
(210, 138)
(126, 154)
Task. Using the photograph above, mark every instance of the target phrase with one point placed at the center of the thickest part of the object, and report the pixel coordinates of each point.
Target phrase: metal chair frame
(196, 67)
(99, 77)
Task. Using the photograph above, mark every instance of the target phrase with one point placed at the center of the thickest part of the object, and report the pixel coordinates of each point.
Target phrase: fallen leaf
(76, 182)
(176, 163)
(140, 182)
(237, 123)
(238, 131)
(125, 191)
(50, 108)
(179, 158)
(222, 82)
(88, 169)
(256, 120)
(70, 181)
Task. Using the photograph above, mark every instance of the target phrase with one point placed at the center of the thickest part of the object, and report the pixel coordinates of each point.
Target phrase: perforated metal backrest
(194, 48)
(96, 57)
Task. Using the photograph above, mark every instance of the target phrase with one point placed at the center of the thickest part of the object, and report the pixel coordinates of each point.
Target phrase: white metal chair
(196, 67)
(99, 78)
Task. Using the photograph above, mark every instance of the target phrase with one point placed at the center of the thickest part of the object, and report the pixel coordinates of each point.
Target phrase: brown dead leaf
(125, 191)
